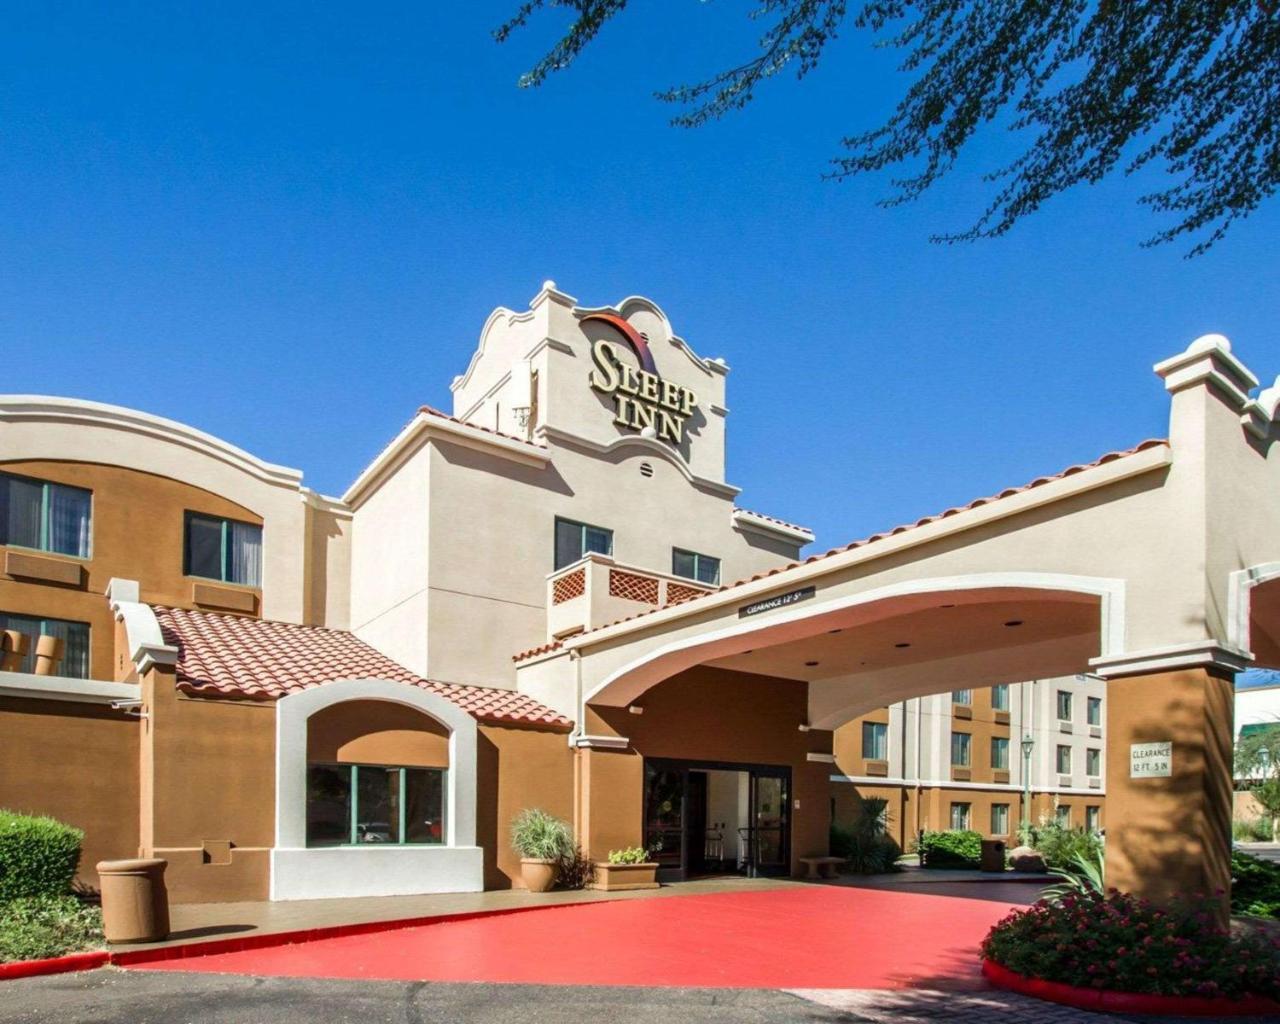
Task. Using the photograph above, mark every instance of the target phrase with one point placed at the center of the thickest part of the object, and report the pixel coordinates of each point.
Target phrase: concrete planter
(1103, 1001)
(621, 877)
(538, 875)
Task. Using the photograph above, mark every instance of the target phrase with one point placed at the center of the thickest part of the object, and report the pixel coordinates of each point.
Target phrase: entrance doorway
(704, 817)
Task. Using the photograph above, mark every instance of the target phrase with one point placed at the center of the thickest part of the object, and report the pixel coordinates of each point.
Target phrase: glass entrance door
(676, 818)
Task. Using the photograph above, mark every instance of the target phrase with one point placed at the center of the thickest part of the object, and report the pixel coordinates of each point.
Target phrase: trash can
(135, 903)
(992, 855)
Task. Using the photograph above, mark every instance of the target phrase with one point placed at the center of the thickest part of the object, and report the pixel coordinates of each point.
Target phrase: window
(961, 696)
(574, 540)
(223, 550)
(875, 741)
(74, 637)
(693, 566)
(999, 819)
(1094, 710)
(1064, 706)
(960, 749)
(1093, 818)
(1064, 760)
(44, 516)
(1063, 815)
(960, 816)
(1000, 698)
(358, 804)
(1000, 753)
(1093, 762)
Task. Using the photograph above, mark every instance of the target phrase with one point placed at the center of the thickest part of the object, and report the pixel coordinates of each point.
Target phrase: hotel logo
(642, 400)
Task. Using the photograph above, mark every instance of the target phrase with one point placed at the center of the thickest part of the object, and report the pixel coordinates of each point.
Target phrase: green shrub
(866, 844)
(950, 849)
(1255, 886)
(631, 855)
(1061, 847)
(537, 835)
(38, 856)
(1118, 942)
(1256, 831)
(39, 927)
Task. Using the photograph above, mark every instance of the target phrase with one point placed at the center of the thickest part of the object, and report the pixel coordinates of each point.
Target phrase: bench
(821, 867)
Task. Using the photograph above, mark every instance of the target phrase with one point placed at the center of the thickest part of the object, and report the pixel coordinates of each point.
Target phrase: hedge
(38, 856)
(953, 849)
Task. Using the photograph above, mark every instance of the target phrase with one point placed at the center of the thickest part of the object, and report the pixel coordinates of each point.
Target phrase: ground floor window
(999, 819)
(1093, 818)
(960, 816)
(1063, 815)
(74, 637)
(358, 804)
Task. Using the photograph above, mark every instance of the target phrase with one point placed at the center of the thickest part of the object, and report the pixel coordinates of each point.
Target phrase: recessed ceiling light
(901, 645)
(1014, 622)
(810, 664)
(946, 606)
(833, 631)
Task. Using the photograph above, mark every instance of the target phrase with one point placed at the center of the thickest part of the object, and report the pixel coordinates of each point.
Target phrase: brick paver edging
(1104, 1001)
(131, 957)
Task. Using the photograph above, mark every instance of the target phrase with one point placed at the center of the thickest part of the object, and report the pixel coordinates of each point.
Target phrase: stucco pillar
(1170, 835)
(612, 801)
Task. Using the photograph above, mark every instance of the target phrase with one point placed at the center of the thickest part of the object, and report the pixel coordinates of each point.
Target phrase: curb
(55, 965)
(1105, 1001)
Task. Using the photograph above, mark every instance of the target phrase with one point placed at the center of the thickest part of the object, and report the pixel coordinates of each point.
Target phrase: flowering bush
(1120, 943)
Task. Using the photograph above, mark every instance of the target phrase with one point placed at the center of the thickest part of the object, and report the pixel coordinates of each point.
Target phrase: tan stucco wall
(376, 732)
(517, 769)
(77, 763)
(137, 534)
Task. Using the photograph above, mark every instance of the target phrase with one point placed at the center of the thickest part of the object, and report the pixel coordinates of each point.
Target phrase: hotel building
(291, 695)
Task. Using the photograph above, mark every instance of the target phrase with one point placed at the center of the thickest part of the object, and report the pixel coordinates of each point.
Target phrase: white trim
(301, 873)
(48, 408)
(425, 427)
(1108, 473)
(1261, 413)
(143, 637)
(1196, 654)
(65, 688)
(745, 519)
(647, 445)
(1239, 601)
(601, 742)
(1209, 358)
(1111, 594)
(1003, 787)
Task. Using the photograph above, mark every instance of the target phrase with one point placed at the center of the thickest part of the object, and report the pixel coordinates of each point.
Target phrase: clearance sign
(642, 400)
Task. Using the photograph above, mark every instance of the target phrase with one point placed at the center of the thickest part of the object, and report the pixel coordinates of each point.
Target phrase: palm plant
(1082, 876)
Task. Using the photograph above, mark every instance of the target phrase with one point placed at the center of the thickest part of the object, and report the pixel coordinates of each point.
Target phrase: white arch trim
(376, 870)
(1109, 591)
(1239, 599)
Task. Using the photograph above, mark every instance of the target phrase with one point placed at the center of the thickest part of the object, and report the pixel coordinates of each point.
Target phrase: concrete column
(1171, 836)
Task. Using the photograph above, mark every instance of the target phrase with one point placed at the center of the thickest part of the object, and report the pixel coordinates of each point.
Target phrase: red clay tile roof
(533, 652)
(255, 659)
(1008, 492)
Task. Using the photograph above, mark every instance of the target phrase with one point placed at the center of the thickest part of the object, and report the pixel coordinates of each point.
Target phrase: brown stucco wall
(706, 714)
(137, 535)
(517, 769)
(77, 763)
(376, 732)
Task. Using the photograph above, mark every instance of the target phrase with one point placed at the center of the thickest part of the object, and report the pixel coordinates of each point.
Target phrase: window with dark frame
(1093, 709)
(1000, 753)
(693, 566)
(74, 637)
(999, 819)
(45, 516)
(1064, 759)
(1093, 762)
(575, 540)
(223, 550)
(960, 750)
(362, 804)
(875, 741)
(1064, 706)
(1000, 697)
(960, 814)
(962, 697)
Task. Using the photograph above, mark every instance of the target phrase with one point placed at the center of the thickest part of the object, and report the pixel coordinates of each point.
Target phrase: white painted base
(343, 871)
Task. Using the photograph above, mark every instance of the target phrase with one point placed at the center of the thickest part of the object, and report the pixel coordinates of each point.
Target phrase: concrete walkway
(203, 922)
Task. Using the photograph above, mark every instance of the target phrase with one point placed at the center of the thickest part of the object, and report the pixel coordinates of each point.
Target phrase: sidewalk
(205, 922)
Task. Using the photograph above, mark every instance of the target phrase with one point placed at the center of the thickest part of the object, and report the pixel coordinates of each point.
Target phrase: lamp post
(1028, 745)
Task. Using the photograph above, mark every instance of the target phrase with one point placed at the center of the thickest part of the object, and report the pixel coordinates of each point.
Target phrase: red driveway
(812, 937)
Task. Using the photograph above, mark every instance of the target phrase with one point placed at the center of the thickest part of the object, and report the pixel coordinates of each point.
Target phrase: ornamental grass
(1119, 943)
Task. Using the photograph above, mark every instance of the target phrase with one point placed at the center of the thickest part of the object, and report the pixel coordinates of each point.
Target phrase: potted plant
(542, 842)
(627, 869)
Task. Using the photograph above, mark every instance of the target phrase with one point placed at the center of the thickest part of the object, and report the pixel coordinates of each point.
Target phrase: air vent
(646, 469)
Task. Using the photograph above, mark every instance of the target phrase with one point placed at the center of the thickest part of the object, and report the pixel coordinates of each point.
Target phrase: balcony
(596, 590)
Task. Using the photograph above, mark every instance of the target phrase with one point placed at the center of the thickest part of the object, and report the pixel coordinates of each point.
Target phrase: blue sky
(286, 224)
